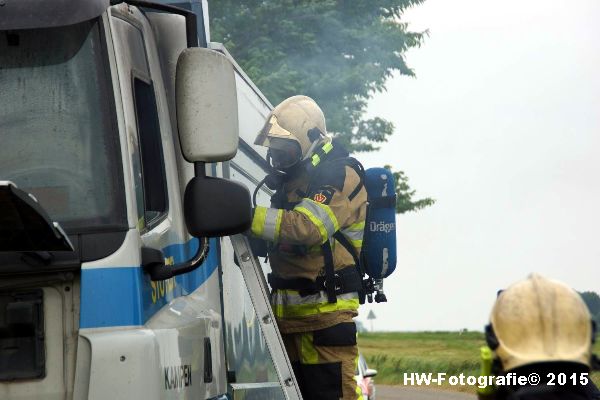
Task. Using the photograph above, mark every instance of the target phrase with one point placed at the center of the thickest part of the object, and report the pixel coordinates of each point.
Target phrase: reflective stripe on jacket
(267, 222)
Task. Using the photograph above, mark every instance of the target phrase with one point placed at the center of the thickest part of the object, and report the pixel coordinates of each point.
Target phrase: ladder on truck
(258, 290)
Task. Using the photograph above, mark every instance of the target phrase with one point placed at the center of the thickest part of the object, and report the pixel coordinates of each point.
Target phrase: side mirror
(207, 109)
(216, 207)
(213, 207)
(369, 373)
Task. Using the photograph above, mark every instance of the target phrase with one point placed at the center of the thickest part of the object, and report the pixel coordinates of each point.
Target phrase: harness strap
(383, 202)
(360, 171)
(329, 272)
(293, 284)
(349, 247)
(346, 280)
(358, 268)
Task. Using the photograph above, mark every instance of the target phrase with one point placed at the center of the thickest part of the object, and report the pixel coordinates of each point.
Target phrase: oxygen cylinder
(379, 240)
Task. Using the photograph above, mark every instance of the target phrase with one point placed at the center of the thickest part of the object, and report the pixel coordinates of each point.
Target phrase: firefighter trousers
(325, 361)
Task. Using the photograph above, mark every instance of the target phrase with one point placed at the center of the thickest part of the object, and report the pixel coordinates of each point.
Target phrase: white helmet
(292, 131)
(540, 320)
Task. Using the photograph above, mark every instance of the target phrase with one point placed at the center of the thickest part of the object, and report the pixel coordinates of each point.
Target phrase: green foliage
(592, 300)
(339, 52)
(404, 194)
(394, 353)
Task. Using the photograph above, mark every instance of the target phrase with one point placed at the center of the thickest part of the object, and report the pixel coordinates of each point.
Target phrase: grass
(394, 353)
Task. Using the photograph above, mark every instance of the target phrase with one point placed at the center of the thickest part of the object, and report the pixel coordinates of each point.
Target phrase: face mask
(282, 160)
(284, 154)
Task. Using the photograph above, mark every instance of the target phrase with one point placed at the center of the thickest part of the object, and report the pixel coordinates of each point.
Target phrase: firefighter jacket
(304, 214)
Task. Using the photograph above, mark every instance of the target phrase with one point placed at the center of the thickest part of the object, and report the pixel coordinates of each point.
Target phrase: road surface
(407, 393)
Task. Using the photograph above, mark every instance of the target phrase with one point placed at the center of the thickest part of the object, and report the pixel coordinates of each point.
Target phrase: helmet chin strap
(314, 135)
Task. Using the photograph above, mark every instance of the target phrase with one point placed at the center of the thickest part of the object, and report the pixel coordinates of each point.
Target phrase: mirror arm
(160, 271)
(200, 169)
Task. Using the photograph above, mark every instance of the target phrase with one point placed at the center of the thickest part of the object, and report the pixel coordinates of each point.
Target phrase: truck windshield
(57, 125)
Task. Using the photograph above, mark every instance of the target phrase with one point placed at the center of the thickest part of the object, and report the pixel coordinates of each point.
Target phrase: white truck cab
(125, 170)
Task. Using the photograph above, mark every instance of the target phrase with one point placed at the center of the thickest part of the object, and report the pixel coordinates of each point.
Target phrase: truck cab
(125, 171)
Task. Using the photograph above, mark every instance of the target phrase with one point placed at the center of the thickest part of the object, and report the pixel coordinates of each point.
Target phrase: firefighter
(315, 281)
(539, 328)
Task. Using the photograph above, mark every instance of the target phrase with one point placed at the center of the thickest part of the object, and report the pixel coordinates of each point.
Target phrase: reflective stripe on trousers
(288, 303)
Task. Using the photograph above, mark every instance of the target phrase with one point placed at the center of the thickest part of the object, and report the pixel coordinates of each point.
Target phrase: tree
(339, 52)
(592, 300)
(404, 194)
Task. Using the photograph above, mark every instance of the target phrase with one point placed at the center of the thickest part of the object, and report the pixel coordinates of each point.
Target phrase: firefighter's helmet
(540, 320)
(292, 131)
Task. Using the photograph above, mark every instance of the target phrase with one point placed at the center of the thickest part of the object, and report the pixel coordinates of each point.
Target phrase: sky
(502, 127)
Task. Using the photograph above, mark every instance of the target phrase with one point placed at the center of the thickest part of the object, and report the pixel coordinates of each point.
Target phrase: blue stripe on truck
(125, 296)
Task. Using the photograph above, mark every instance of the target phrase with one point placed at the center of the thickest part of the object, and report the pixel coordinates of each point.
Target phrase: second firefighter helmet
(540, 320)
(292, 131)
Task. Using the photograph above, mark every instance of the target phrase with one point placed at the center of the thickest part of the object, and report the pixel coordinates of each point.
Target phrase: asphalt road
(407, 393)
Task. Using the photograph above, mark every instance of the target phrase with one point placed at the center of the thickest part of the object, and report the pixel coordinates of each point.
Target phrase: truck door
(182, 312)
